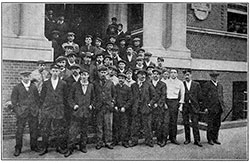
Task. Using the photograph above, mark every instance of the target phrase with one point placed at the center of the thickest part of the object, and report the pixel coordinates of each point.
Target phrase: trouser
(187, 113)
(104, 126)
(78, 126)
(146, 120)
(173, 105)
(213, 122)
(33, 125)
(161, 125)
(55, 126)
(120, 130)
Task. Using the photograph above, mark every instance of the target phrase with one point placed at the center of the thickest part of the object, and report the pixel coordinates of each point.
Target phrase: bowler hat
(141, 50)
(214, 73)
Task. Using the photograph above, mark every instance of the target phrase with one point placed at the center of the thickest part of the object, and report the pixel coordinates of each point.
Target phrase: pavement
(234, 147)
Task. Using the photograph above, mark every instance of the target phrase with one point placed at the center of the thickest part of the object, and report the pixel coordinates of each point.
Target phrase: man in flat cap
(71, 59)
(191, 107)
(121, 64)
(120, 32)
(70, 38)
(160, 61)
(88, 65)
(25, 101)
(61, 61)
(104, 106)
(108, 50)
(108, 61)
(139, 63)
(141, 52)
(112, 28)
(81, 101)
(147, 60)
(214, 103)
(115, 55)
(87, 47)
(160, 113)
(145, 97)
(99, 60)
(53, 99)
(123, 101)
(136, 44)
(98, 48)
(67, 49)
(130, 57)
(112, 72)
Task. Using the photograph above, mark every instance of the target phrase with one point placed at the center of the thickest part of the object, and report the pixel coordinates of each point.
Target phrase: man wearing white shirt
(175, 100)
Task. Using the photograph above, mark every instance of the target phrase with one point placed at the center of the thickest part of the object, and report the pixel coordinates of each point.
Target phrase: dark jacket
(213, 95)
(151, 64)
(76, 97)
(104, 95)
(65, 74)
(92, 71)
(160, 90)
(53, 101)
(132, 63)
(25, 102)
(123, 96)
(85, 48)
(142, 97)
(193, 95)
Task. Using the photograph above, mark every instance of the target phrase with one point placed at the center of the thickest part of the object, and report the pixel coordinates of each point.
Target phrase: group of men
(128, 101)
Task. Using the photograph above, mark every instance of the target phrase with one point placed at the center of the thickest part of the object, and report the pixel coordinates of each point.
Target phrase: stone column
(32, 21)
(8, 14)
(153, 26)
(120, 11)
(178, 30)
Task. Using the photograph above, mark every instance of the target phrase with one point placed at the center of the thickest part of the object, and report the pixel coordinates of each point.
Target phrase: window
(237, 18)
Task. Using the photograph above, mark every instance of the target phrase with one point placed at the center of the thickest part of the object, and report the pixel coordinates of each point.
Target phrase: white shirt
(140, 67)
(164, 80)
(147, 63)
(188, 84)
(122, 71)
(26, 85)
(76, 77)
(175, 87)
(84, 87)
(54, 83)
(129, 57)
(215, 82)
(154, 82)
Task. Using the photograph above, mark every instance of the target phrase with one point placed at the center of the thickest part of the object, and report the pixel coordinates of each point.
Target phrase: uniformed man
(145, 97)
(81, 100)
(123, 102)
(53, 100)
(104, 104)
(25, 101)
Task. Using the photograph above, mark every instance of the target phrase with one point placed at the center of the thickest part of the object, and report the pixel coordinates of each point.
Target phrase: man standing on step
(191, 107)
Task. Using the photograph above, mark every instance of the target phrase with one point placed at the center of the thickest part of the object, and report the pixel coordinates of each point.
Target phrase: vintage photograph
(122, 81)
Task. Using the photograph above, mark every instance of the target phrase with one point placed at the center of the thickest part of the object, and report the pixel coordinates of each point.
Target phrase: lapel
(23, 88)
(191, 86)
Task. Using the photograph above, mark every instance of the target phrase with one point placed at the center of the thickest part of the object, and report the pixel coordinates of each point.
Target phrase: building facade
(197, 36)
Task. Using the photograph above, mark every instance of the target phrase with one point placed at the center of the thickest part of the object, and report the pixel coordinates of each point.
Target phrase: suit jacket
(142, 96)
(77, 97)
(104, 95)
(85, 48)
(194, 96)
(92, 71)
(213, 96)
(65, 74)
(160, 90)
(25, 102)
(54, 101)
(123, 96)
(132, 63)
(151, 64)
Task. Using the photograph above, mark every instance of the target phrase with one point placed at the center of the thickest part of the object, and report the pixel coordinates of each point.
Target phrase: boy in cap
(121, 66)
(81, 100)
(88, 65)
(115, 55)
(139, 63)
(109, 47)
(71, 59)
(145, 97)
(53, 99)
(122, 47)
(64, 71)
(108, 61)
(99, 60)
(25, 101)
(88, 46)
(214, 106)
(136, 44)
(123, 102)
(112, 72)
(120, 32)
(129, 80)
(165, 74)
(104, 104)
(71, 37)
(147, 61)
(68, 49)
(141, 52)
(98, 49)
(130, 57)
(160, 61)
(160, 113)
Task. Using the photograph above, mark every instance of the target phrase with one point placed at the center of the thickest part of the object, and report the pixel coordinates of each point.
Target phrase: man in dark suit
(61, 61)
(214, 103)
(88, 47)
(191, 107)
(53, 99)
(123, 101)
(144, 98)
(89, 65)
(160, 113)
(81, 99)
(130, 58)
(25, 101)
(104, 104)
(147, 61)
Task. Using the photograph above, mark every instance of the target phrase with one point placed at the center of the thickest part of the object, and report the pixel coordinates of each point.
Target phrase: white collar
(26, 85)
(214, 82)
(76, 77)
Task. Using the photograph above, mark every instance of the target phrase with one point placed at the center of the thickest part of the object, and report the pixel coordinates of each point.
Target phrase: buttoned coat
(147, 95)
(24, 101)
(123, 96)
(160, 90)
(132, 63)
(77, 97)
(53, 101)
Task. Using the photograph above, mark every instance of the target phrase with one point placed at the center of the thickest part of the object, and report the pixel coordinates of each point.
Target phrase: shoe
(35, 149)
(60, 150)
(83, 149)
(133, 144)
(109, 146)
(198, 144)
(210, 142)
(43, 152)
(126, 145)
(217, 142)
(174, 141)
(17, 152)
(187, 142)
(68, 153)
(98, 146)
(163, 144)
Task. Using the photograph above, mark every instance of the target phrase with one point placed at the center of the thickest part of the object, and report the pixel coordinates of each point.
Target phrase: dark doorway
(239, 100)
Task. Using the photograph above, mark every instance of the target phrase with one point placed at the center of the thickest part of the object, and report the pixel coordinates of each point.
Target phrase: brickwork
(207, 46)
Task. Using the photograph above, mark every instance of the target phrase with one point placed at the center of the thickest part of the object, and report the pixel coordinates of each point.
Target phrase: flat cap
(137, 39)
(142, 71)
(157, 70)
(98, 39)
(122, 61)
(54, 66)
(150, 66)
(71, 34)
(122, 74)
(148, 54)
(112, 67)
(214, 73)
(75, 66)
(102, 68)
(40, 62)
(60, 58)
